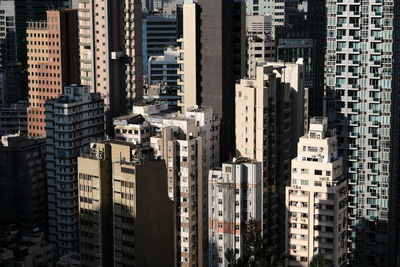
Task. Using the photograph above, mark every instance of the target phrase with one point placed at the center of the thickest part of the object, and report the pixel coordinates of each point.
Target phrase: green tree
(253, 243)
(230, 257)
(253, 255)
(318, 261)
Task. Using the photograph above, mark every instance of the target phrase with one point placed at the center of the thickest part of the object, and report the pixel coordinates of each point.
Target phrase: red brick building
(53, 61)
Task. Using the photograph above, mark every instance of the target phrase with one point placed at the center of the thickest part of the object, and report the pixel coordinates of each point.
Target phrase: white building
(163, 69)
(274, 8)
(260, 40)
(134, 129)
(234, 197)
(316, 201)
(73, 120)
(111, 53)
(189, 144)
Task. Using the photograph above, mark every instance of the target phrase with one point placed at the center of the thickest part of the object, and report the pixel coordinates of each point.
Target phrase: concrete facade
(274, 8)
(124, 207)
(260, 43)
(13, 118)
(223, 47)
(134, 129)
(163, 69)
(110, 38)
(189, 144)
(316, 200)
(73, 120)
(362, 102)
(25, 248)
(189, 58)
(23, 182)
(52, 62)
(269, 121)
(234, 197)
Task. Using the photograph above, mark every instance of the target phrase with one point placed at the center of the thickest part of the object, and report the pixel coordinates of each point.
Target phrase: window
(318, 172)
(304, 182)
(304, 171)
(317, 183)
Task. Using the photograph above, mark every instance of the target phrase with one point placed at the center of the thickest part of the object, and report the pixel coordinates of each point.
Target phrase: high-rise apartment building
(110, 39)
(316, 200)
(23, 182)
(13, 118)
(190, 147)
(31, 10)
(270, 119)
(189, 49)
(234, 197)
(260, 43)
(52, 62)
(73, 120)
(274, 8)
(133, 129)
(9, 67)
(163, 92)
(219, 26)
(161, 32)
(304, 36)
(290, 50)
(126, 218)
(189, 144)
(24, 247)
(163, 69)
(362, 94)
(13, 43)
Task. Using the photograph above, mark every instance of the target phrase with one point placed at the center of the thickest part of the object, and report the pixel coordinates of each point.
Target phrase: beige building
(234, 197)
(134, 129)
(126, 217)
(188, 61)
(110, 37)
(260, 44)
(189, 144)
(316, 200)
(268, 119)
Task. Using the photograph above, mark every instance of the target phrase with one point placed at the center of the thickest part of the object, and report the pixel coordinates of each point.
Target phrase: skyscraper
(362, 93)
(189, 144)
(14, 18)
(110, 38)
(304, 36)
(8, 55)
(269, 121)
(316, 200)
(31, 10)
(215, 32)
(261, 46)
(126, 218)
(189, 49)
(274, 8)
(23, 182)
(234, 197)
(52, 62)
(73, 120)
